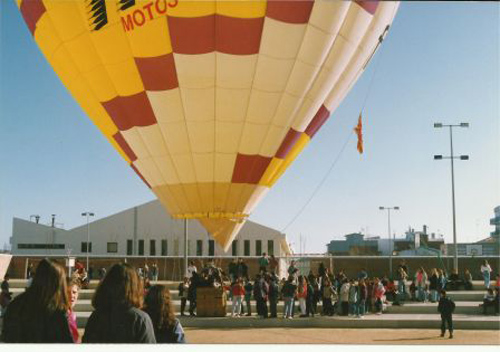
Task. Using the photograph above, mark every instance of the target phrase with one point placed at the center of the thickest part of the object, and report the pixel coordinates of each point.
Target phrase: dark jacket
(119, 325)
(446, 306)
(273, 291)
(433, 282)
(288, 290)
(171, 334)
(21, 326)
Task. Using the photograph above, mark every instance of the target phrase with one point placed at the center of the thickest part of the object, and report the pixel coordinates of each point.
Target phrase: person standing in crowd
(311, 296)
(433, 285)
(378, 293)
(238, 293)
(293, 270)
(288, 291)
(248, 296)
(446, 307)
(264, 296)
(353, 298)
(344, 297)
(118, 317)
(362, 296)
(404, 266)
(327, 295)
(421, 282)
(263, 263)
(102, 273)
(158, 305)
(194, 283)
(273, 296)
(191, 269)
(302, 295)
(486, 271)
(5, 294)
(183, 293)
(29, 271)
(402, 276)
(39, 315)
(154, 272)
(73, 291)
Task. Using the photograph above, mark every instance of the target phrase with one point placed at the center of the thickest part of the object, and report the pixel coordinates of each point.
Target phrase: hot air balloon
(208, 101)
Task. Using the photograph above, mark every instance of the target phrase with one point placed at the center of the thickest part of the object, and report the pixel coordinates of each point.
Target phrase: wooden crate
(210, 302)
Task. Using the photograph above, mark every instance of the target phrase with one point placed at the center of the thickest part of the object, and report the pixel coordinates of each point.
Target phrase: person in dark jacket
(446, 307)
(38, 315)
(310, 308)
(273, 297)
(195, 282)
(158, 305)
(118, 317)
(248, 297)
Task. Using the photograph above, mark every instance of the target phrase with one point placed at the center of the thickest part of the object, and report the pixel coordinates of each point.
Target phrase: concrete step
(21, 283)
(457, 296)
(466, 308)
(372, 321)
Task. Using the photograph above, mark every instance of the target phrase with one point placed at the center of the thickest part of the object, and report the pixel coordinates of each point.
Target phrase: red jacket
(238, 290)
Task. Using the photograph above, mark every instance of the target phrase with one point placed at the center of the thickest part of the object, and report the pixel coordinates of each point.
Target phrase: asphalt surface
(340, 336)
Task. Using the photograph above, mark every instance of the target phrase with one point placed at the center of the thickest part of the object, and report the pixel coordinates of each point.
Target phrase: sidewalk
(339, 336)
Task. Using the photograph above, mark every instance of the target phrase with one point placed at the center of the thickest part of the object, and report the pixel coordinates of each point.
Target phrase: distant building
(415, 243)
(145, 230)
(488, 246)
(354, 244)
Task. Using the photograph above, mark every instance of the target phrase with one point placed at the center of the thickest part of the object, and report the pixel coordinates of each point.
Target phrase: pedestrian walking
(446, 307)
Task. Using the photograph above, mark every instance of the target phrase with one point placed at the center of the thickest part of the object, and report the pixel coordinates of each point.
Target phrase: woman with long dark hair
(39, 315)
(158, 304)
(118, 317)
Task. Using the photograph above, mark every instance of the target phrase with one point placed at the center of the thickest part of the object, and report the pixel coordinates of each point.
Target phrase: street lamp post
(88, 214)
(391, 242)
(451, 157)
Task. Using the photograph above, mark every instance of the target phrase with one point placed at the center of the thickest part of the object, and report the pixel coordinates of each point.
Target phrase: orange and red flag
(359, 132)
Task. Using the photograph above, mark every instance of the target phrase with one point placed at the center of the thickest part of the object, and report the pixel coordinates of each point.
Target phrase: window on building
(189, 247)
(141, 247)
(234, 248)
(164, 247)
(211, 248)
(130, 247)
(270, 247)
(40, 246)
(84, 247)
(152, 247)
(199, 248)
(176, 247)
(246, 251)
(258, 247)
(112, 247)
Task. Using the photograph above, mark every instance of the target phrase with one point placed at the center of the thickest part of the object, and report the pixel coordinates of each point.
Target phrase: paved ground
(339, 336)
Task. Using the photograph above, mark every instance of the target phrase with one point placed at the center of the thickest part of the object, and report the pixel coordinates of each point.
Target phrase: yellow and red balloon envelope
(208, 101)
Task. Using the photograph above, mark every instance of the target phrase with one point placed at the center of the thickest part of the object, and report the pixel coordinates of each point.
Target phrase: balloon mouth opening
(233, 217)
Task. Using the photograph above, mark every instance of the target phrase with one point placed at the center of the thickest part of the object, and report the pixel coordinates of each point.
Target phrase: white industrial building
(145, 230)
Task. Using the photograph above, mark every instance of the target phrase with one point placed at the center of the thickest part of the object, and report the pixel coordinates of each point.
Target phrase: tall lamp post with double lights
(391, 242)
(452, 157)
(88, 214)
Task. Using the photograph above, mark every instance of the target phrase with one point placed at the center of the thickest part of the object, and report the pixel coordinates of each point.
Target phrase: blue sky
(440, 62)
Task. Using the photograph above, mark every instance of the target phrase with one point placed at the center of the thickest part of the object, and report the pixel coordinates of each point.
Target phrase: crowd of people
(128, 308)
(123, 311)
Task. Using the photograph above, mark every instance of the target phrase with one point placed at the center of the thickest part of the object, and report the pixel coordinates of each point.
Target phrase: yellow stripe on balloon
(303, 140)
(242, 8)
(272, 169)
